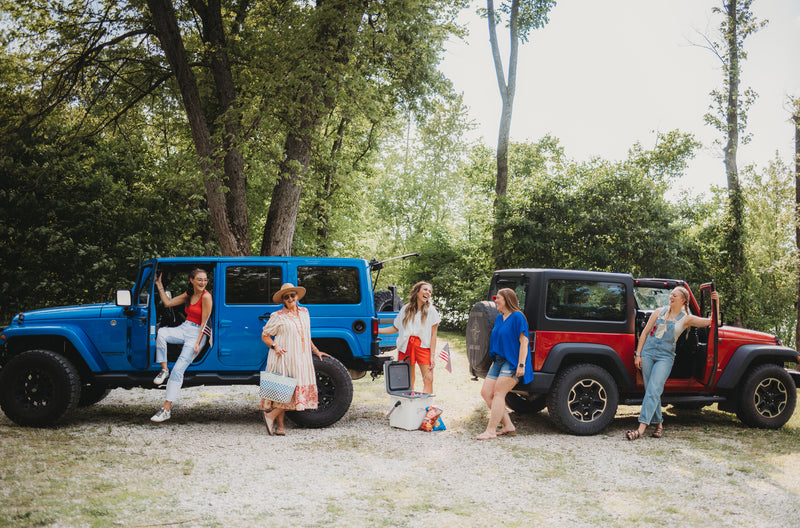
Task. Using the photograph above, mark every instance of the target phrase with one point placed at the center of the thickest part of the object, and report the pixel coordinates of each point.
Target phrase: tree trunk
(796, 119)
(338, 24)
(507, 90)
(228, 214)
(329, 187)
(736, 200)
(285, 202)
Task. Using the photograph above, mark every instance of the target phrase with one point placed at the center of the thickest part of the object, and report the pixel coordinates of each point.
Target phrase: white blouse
(416, 328)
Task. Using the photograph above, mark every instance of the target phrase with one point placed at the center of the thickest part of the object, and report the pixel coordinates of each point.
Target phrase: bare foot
(486, 435)
(507, 432)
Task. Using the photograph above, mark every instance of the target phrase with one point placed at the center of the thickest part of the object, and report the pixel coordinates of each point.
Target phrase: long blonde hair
(412, 308)
(685, 294)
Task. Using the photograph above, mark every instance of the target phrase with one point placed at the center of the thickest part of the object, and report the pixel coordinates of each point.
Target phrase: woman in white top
(416, 325)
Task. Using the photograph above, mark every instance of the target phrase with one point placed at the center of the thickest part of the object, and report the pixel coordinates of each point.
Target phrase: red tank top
(194, 312)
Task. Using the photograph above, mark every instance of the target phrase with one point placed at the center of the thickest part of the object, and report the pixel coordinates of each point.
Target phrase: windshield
(651, 298)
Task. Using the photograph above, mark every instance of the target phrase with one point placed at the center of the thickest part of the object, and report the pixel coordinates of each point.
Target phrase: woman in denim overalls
(656, 353)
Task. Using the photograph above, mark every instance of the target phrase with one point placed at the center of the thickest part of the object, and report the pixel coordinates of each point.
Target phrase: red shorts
(414, 353)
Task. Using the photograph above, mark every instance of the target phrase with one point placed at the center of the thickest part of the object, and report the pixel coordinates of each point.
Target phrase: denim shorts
(501, 367)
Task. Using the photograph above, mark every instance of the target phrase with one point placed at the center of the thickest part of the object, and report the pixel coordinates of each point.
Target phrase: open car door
(708, 308)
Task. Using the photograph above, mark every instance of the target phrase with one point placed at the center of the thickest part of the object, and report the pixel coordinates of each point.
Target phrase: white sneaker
(161, 416)
(162, 376)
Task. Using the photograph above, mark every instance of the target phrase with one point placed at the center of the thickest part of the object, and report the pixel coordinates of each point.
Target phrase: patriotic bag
(276, 386)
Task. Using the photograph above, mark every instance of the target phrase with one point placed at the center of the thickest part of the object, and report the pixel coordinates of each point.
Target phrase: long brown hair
(412, 308)
(510, 297)
(190, 286)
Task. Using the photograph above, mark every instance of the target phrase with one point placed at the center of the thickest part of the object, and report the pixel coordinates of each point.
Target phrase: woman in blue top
(656, 353)
(511, 360)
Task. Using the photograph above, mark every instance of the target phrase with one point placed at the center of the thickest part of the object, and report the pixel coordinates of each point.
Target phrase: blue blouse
(504, 342)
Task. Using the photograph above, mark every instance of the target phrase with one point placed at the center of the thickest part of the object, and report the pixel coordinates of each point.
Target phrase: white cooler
(408, 406)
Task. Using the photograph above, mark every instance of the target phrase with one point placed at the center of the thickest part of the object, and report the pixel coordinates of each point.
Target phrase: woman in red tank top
(190, 333)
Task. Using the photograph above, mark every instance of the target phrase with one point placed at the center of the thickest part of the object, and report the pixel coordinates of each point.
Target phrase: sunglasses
(289, 296)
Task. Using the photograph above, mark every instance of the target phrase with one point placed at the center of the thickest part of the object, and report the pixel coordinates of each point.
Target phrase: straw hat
(288, 287)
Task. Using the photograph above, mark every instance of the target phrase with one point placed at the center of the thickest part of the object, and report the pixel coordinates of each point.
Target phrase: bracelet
(638, 355)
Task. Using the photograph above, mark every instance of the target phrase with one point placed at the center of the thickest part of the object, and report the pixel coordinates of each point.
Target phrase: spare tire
(479, 330)
(387, 301)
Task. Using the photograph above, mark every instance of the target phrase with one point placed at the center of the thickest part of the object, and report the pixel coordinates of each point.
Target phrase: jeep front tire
(335, 393)
(38, 388)
(767, 397)
(583, 400)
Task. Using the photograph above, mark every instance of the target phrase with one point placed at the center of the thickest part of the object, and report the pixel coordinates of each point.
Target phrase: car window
(651, 298)
(586, 300)
(144, 285)
(252, 284)
(329, 284)
(518, 283)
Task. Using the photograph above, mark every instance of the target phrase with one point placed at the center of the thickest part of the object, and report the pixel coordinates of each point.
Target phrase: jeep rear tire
(335, 391)
(38, 388)
(583, 400)
(526, 405)
(767, 397)
(479, 331)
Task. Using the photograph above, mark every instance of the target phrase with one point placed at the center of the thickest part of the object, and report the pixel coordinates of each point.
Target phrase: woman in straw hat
(288, 335)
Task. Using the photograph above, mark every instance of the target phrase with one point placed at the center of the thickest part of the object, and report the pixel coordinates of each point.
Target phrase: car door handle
(225, 323)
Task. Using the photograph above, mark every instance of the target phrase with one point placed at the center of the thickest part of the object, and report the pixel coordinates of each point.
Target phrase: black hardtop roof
(566, 273)
(257, 259)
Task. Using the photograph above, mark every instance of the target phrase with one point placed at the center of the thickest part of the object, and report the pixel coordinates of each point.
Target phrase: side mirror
(124, 298)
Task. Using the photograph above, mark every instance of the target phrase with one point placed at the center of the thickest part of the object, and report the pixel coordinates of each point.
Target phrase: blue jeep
(55, 359)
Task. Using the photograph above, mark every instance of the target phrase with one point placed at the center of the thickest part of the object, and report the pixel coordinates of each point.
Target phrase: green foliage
(771, 252)
(531, 14)
(459, 273)
(77, 218)
(597, 215)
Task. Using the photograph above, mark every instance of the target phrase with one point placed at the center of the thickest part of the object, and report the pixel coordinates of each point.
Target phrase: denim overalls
(658, 355)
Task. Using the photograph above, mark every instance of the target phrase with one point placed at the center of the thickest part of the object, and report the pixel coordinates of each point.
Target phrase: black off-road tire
(38, 388)
(767, 397)
(479, 330)
(526, 405)
(583, 400)
(92, 393)
(335, 389)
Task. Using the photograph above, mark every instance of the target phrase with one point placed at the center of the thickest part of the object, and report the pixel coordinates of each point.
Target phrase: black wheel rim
(587, 400)
(326, 391)
(770, 398)
(34, 390)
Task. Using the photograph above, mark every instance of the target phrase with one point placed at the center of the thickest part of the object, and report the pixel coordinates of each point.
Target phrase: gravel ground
(213, 465)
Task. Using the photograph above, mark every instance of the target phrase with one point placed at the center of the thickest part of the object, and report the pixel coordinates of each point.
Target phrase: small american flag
(207, 333)
(444, 355)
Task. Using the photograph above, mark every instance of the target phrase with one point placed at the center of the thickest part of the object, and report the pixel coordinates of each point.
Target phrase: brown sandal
(633, 434)
(659, 432)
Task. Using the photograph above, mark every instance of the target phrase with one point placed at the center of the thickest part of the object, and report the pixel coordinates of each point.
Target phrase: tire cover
(479, 331)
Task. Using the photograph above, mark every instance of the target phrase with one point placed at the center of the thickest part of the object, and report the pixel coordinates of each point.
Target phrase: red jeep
(584, 328)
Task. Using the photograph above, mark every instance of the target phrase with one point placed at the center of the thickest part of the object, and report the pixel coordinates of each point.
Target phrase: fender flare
(746, 355)
(77, 338)
(588, 353)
